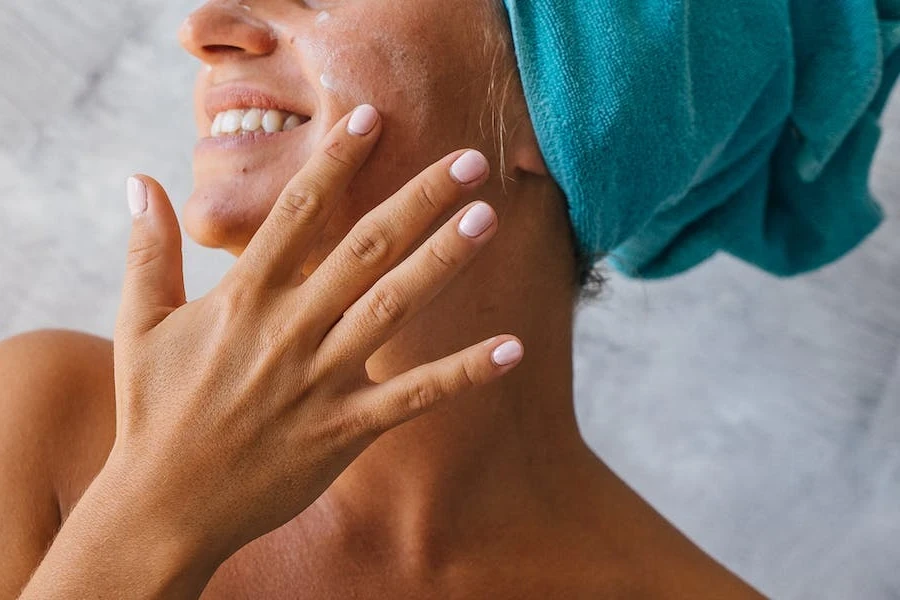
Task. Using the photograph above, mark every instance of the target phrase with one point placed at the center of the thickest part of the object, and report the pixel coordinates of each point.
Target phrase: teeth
(216, 129)
(273, 121)
(292, 122)
(252, 120)
(239, 121)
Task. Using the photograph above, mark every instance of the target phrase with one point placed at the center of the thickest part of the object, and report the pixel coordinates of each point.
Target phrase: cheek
(351, 68)
(416, 95)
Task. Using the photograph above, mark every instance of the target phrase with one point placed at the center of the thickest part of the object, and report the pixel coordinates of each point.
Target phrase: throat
(439, 487)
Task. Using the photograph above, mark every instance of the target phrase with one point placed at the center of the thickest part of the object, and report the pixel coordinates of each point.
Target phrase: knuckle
(337, 431)
(370, 245)
(302, 204)
(386, 306)
(337, 152)
(427, 196)
(347, 425)
(234, 296)
(142, 253)
(440, 253)
(468, 376)
(422, 396)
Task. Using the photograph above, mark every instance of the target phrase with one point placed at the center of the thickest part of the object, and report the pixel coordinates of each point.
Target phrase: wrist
(151, 511)
(122, 540)
(112, 546)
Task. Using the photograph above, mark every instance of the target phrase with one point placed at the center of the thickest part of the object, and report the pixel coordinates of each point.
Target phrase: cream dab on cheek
(322, 17)
(325, 57)
(327, 82)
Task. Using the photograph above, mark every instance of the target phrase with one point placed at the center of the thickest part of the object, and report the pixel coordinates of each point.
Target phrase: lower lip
(246, 140)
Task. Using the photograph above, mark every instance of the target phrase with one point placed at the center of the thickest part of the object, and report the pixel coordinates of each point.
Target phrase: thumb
(154, 270)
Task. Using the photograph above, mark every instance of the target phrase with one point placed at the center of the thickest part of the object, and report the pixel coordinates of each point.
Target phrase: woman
(270, 439)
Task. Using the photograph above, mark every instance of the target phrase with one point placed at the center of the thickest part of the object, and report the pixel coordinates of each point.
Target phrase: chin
(228, 215)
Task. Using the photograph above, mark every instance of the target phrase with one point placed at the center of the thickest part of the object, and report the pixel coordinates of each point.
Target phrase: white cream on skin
(327, 83)
(336, 54)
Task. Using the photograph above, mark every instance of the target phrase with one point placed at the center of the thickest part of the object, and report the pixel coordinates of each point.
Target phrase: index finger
(287, 236)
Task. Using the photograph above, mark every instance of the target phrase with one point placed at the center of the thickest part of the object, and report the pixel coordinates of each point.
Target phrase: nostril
(219, 48)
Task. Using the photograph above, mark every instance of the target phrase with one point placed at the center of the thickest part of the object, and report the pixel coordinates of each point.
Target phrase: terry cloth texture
(678, 128)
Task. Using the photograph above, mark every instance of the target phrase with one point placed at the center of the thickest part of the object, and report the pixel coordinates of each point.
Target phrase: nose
(223, 30)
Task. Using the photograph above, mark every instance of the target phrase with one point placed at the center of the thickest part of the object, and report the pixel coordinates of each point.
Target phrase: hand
(237, 410)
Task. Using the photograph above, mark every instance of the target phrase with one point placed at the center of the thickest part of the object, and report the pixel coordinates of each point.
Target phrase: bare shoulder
(57, 416)
(624, 548)
(57, 391)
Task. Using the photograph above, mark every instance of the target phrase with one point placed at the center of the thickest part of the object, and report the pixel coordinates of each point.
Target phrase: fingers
(299, 216)
(154, 275)
(397, 296)
(419, 390)
(385, 234)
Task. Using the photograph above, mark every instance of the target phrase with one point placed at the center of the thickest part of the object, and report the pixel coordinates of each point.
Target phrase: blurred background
(761, 416)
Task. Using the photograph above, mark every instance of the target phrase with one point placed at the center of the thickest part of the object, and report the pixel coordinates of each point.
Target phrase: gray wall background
(761, 416)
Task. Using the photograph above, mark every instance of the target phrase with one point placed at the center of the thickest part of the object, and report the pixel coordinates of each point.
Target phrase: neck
(501, 453)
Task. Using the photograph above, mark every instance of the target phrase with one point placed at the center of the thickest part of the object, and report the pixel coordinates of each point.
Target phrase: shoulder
(57, 406)
(59, 354)
(57, 424)
(622, 547)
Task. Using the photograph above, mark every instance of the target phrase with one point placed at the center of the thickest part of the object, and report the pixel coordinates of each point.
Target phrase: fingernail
(363, 120)
(469, 167)
(137, 196)
(477, 220)
(507, 353)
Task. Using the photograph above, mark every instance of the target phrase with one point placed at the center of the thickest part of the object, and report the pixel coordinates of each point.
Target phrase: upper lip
(222, 98)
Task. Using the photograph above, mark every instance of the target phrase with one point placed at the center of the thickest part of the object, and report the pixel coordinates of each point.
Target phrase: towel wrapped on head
(678, 128)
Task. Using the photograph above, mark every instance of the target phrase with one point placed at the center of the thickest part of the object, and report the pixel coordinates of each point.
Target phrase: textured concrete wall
(761, 416)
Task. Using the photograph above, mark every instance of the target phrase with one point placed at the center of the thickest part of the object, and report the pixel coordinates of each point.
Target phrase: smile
(239, 121)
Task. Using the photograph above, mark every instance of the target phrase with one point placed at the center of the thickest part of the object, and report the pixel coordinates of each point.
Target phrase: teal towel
(678, 128)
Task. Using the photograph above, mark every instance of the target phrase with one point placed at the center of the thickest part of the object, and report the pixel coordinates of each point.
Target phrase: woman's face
(420, 62)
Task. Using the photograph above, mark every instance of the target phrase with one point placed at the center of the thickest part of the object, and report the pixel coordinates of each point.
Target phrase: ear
(525, 153)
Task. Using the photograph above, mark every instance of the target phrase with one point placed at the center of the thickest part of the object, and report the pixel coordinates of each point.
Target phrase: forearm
(114, 545)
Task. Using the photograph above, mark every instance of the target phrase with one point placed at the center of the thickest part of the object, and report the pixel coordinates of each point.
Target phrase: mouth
(239, 121)
(243, 111)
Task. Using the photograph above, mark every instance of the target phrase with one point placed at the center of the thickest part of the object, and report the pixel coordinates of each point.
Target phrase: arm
(115, 544)
(54, 420)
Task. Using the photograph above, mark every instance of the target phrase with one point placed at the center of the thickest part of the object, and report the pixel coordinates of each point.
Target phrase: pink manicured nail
(469, 167)
(477, 220)
(507, 353)
(137, 196)
(363, 120)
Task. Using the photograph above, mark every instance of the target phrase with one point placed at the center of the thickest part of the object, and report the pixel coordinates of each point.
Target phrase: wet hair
(504, 79)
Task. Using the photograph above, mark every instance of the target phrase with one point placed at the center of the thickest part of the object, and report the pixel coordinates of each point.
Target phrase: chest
(284, 569)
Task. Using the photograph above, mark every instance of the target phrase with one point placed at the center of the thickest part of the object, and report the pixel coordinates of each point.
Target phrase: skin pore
(491, 495)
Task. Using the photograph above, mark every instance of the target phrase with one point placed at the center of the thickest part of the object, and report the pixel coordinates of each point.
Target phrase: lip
(222, 98)
(247, 140)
